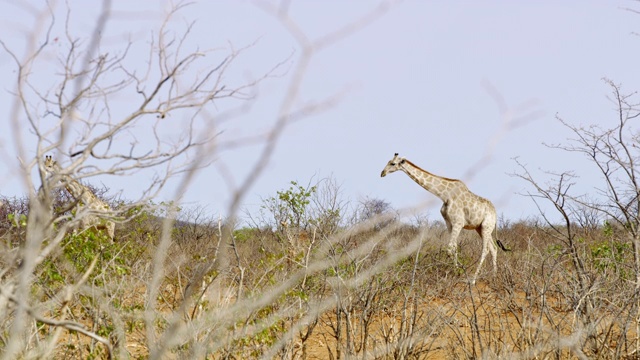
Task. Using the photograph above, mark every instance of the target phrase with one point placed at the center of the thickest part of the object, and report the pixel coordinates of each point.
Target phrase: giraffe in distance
(85, 198)
(461, 209)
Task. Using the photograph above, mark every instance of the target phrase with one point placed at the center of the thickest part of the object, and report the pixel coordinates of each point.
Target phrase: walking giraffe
(461, 209)
(85, 198)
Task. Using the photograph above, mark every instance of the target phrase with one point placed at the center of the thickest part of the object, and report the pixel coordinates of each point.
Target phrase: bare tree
(87, 115)
(83, 122)
(612, 150)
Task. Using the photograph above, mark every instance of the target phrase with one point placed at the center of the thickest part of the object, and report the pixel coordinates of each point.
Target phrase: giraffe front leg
(452, 248)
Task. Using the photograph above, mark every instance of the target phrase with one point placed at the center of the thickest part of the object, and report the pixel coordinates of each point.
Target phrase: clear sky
(420, 80)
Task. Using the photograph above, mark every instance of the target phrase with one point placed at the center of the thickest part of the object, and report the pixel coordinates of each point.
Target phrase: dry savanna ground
(377, 288)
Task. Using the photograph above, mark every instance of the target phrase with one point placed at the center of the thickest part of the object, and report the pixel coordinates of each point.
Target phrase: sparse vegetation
(312, 275)
(359, 290)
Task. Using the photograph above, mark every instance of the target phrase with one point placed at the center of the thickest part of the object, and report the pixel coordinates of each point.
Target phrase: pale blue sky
(417, 81)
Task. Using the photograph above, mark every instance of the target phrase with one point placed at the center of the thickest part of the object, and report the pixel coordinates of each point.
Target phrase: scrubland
(309, 275)
(313, 277)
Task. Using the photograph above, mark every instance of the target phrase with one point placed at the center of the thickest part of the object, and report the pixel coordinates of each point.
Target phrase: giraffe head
(393, 165)
(50, 165)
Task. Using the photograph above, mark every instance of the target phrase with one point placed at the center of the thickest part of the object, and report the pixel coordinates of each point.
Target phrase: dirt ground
(472, 321)
(479, 321)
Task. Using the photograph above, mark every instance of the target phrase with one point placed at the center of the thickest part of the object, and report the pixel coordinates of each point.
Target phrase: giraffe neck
(78, 191)
(434, 184)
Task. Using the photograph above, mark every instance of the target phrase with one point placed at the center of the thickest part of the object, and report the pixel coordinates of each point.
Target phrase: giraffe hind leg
(488, 242)
(486, 248)
(494, 255)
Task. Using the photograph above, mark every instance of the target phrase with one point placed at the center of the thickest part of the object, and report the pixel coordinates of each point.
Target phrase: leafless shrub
(369, 209)
(611, 150)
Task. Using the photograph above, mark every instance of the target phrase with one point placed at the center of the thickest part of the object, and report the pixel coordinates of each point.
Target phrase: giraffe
(461, 209)
(85, 198)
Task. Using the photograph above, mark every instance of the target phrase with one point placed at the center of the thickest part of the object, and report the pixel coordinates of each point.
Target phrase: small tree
(290, 208)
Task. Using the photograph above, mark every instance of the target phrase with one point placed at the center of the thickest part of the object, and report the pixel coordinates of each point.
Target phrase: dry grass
(358, 293)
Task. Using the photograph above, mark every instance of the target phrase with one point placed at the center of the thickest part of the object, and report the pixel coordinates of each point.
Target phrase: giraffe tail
(501, 245)
(494, 234)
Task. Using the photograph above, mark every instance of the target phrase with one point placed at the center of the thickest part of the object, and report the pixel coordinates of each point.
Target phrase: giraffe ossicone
(461, 209)
(85, 199)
